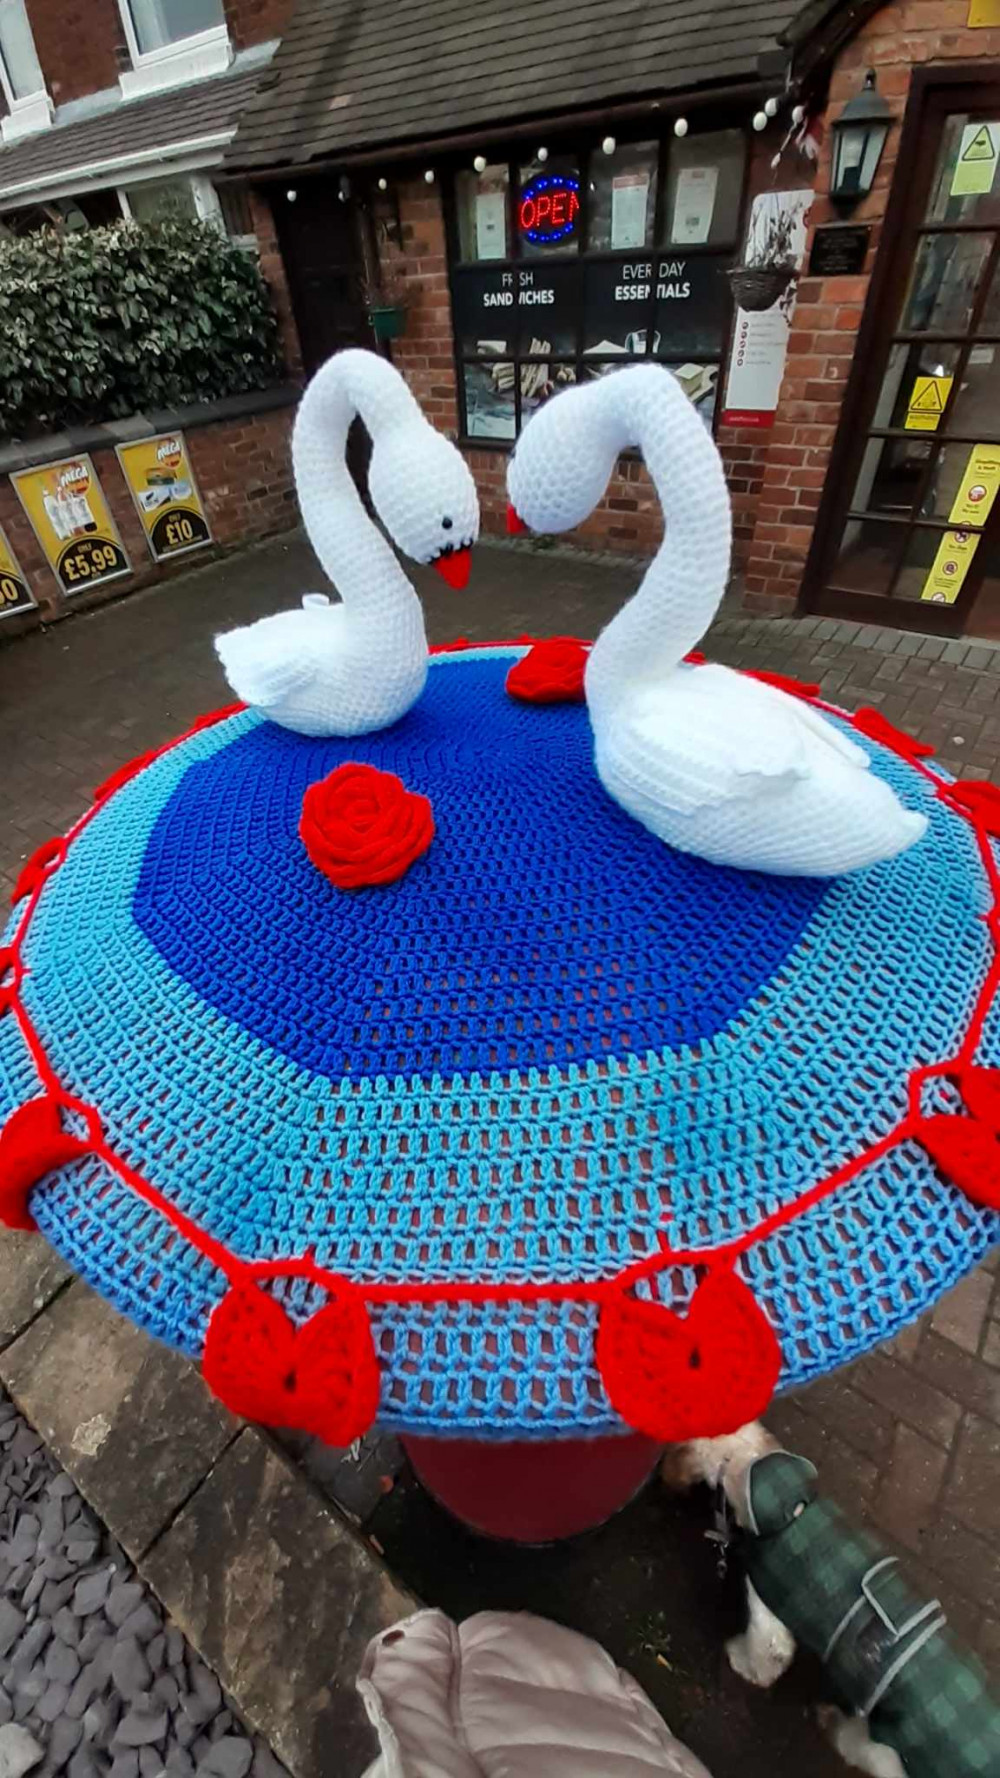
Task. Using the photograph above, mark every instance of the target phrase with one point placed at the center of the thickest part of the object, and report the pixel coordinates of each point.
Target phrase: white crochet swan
(347, 669)
(711, 761)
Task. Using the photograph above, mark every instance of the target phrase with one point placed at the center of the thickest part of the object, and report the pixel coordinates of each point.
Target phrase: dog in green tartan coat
(911, 1701)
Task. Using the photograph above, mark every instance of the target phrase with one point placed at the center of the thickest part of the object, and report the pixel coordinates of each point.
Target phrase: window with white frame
(159, 23)
(28, 104)
(22, 75)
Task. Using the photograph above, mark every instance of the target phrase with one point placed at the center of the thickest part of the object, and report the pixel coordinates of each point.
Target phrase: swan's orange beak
(455, 568)
(515, 524)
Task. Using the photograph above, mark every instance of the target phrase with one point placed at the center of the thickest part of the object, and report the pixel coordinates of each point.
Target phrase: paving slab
(131, 1421)
(281, 1597)
(31, 1274)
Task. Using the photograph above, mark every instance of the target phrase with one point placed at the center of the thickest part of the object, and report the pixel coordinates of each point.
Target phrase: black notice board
(839, 251)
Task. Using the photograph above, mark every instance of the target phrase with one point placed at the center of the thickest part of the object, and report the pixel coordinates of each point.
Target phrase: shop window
(556, 275)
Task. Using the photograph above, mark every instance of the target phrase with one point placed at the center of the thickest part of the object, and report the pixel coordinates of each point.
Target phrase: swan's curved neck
(682, 588)
(352, 550)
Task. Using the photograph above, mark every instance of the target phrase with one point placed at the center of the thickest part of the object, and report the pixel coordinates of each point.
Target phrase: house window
(172, 42)
(189, 198)
(22, 76)
(566, 268)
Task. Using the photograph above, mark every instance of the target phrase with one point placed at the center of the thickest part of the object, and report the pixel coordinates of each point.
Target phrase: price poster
(161, 482)
(72, 521)
(15, 594)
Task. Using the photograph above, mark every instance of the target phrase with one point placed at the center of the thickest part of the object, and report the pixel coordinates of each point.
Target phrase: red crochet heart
(8, 977)
(35, 869)
(699, 1377)
(982, 801)
(550, 673)
(796, 688)
(32, 1143)
(321, 1378)
(967, 1153)
(980, 1089)
(361, 826)
(878, 728)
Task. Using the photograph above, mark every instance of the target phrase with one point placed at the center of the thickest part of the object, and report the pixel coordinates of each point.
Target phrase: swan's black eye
(446, 524)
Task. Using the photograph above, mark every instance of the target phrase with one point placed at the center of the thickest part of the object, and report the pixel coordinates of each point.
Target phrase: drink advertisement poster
(161, 482)
(15, 593)
(71, 519)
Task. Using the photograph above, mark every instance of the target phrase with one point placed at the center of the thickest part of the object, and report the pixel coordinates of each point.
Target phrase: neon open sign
(550, 205)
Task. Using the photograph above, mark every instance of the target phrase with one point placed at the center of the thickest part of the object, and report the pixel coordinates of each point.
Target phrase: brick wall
(80, 45)
(828, 311)
(244, 473)
(256, 21)
(628, 519)
(273, 269)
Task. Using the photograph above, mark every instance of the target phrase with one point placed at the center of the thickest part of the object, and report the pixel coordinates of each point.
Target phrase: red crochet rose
(322, 1377)
(696, 1377)
(878, 728)
(550, 673)
(362, 826)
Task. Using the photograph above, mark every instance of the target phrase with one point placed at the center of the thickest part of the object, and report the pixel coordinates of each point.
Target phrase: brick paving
(909, 1437)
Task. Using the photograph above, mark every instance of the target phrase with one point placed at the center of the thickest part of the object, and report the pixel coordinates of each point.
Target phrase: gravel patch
(94, 1679)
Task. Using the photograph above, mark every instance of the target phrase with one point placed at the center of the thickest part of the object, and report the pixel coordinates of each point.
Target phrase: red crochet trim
(361, 826)
(670, 1376)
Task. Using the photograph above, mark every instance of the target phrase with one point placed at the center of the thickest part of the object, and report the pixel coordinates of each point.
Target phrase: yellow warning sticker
(978, 488)
(950, 567)
(976, 165)
(984, 12)
(927, 403)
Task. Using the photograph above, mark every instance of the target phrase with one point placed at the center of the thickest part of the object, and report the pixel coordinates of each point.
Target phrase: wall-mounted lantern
(859, 135)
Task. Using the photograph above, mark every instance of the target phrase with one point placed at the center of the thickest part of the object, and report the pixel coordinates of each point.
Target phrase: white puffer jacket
(508, 1695)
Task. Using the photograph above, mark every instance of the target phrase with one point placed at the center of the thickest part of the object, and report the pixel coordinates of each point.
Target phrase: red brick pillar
(273, 268)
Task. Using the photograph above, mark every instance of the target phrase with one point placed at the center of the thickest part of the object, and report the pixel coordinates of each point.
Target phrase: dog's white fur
(766, 1647)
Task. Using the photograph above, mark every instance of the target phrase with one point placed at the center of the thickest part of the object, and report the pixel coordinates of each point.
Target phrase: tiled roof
(167, 121)
(349, 75)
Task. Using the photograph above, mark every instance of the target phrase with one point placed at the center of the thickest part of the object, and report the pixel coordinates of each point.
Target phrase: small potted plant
(387, 298)
(769, 266)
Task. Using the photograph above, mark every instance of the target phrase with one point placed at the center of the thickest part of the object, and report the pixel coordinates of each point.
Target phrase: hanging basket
(388, 323)
(758, 287)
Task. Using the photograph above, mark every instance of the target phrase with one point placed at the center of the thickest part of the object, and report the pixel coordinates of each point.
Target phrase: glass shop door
(909, 531)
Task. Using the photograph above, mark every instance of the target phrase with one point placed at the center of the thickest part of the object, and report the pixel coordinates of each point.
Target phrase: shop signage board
(950, 567)
(760, 338)
(839, 250)
(71, 519)
(161, 482)
(927, 402)
(15, 593)
(976, 165)
(683, 297)
(978, 488)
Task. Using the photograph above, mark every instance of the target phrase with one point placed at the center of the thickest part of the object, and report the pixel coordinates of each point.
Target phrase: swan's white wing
(705, 737)
(818, 725)
(267, 661)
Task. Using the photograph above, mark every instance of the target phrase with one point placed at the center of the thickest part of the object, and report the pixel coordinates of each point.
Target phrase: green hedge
(105, 322)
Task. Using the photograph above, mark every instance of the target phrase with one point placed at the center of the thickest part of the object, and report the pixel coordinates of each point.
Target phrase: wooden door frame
(889, 275)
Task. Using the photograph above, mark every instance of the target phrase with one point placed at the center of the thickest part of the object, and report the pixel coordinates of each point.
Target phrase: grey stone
(184, 1730)
(30, 1646)
(19, 1751)
(206, 1689)
(83, 1765)
(64, 1740)
(34, 1587)
(81, 1549)
(156, 1650)
(143, 1724)
(229, 1757)
(99, 1719)
(153, 1430)
(93, 1677)
(62, 1662)
(25, 1539)
(150, 1763)
(166, 1688)
(90, 1593)
(52, 1523)
(6, 1707)
(179, 1764)
(53, 1701)
(95, 1636)
(125, 1764)
(130, 1670)
(122, 1600)
(220, 1725)
(12, 1622)
(145, 1621)
(67, 1626)
(54, 1595)
(175, 1646)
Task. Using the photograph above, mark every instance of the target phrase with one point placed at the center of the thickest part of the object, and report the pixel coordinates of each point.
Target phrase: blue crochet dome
(550, 1045)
